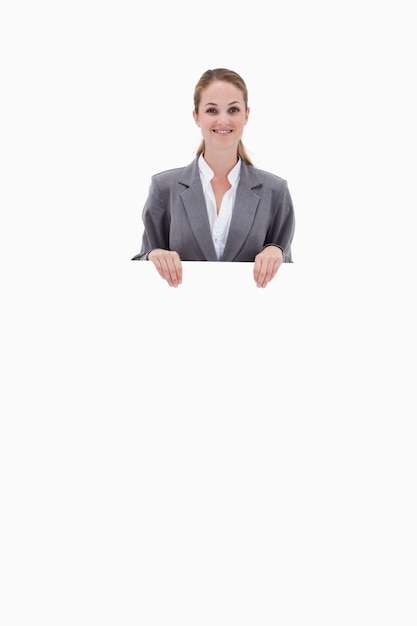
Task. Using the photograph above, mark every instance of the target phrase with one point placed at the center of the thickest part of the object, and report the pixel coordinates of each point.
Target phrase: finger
(178, 268)
(166, 271)
(259, 272)
(256, 269)
(158, 266)
(173, 269)
(266, 272)
(274, 268)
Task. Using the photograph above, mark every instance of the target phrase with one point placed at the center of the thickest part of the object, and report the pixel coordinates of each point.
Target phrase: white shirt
(219, 224)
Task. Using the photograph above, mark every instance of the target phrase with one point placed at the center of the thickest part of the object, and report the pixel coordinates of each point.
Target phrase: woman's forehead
(221, 91)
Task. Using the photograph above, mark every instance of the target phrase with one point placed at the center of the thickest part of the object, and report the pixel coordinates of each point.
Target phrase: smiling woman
(220, 207)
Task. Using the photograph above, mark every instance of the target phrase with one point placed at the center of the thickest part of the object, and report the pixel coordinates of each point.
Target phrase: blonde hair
(228, 76)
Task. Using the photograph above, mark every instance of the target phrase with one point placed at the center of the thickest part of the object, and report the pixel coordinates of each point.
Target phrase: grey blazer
(175, 216)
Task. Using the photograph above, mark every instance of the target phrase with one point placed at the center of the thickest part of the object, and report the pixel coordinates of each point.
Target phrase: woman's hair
(227, 76)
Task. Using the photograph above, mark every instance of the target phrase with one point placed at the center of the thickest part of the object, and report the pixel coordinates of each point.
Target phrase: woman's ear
(247, 115)
(195, 116)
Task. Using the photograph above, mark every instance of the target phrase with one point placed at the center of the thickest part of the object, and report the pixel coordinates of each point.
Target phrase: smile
(222, 132)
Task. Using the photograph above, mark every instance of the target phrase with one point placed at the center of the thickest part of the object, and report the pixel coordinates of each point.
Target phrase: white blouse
(219, 224)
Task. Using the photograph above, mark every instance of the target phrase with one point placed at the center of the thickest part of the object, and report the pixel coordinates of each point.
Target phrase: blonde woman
(220, 207)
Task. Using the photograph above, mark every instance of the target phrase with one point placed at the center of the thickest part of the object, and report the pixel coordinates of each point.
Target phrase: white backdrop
(212, 454)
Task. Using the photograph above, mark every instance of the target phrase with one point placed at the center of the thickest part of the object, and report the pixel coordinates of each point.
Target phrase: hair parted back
(227, 76)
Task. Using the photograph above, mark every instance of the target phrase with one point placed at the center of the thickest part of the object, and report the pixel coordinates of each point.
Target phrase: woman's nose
(224, 117)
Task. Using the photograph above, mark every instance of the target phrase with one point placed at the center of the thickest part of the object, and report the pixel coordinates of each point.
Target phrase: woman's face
(221, 115)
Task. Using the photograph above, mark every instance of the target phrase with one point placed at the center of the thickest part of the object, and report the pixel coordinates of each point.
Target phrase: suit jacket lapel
(195, 206)
(246, 203)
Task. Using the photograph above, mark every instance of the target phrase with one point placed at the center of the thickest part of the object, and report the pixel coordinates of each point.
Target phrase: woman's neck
(221, 164)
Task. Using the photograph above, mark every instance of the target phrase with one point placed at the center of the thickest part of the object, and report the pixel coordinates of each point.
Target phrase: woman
(219, 207)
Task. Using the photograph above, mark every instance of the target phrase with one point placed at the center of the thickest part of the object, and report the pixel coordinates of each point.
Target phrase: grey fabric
(175, 216)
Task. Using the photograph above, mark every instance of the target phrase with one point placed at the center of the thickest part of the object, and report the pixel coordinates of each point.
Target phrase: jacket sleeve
(156, 221)
(282, 226)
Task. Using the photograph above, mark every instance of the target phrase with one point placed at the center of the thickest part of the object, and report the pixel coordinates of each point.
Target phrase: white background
(213, 454)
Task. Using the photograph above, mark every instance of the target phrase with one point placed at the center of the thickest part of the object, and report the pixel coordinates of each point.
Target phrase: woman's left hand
(267, 264)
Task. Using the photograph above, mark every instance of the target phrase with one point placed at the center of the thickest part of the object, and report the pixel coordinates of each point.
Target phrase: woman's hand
(267, 264)
(168, 265)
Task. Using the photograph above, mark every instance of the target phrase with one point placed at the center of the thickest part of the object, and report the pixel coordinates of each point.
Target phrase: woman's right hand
(168, 264)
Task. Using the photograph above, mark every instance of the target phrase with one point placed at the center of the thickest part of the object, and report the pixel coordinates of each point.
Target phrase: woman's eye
(231, 110)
